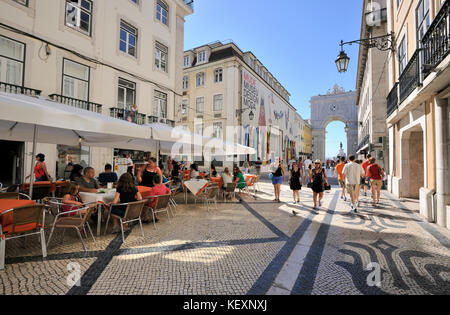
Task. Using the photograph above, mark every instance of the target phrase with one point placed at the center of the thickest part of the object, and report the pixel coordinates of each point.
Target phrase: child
(158, 190)
(71, 200)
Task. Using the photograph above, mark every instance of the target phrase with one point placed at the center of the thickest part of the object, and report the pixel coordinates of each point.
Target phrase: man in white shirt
(307, 164)
(352, 175)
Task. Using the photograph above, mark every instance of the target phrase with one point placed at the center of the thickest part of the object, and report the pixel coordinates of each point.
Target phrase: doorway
(11, 159)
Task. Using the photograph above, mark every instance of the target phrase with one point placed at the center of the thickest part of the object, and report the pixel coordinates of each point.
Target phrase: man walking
(366, 179)
(352, 174)
(307, 164)
(338, 171)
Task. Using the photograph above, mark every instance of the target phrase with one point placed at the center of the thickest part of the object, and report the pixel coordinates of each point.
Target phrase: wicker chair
(209, 196)
(133, 213)
(230, 189)
(77, 222)
(26, 221)
(162, 205)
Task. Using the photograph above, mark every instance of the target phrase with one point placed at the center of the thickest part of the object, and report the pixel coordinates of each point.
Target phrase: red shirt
(365, 165)
(38, 170)
(158, 190)
(373, 171)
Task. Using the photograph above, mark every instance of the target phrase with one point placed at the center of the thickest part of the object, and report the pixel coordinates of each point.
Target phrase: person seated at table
(71, 199)
(239, 178)
(87, 182)
(77, 172)
(175, 170)
(108, 176)
(158, 190)
(213, 172)
(227, 178)
(146, 174)
(126, 192)
(194, 171)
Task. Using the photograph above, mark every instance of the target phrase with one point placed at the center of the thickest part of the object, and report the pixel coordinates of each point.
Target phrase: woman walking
(277, 180)
(40, 169)
(296, 181)
(318, 178)
(376, 174)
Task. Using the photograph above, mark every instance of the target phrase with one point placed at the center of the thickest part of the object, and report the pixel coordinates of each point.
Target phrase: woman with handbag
(318, 178)
(40, 169)
(296, 181)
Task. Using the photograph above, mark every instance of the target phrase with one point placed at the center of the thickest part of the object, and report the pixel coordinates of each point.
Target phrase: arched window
(162, 12)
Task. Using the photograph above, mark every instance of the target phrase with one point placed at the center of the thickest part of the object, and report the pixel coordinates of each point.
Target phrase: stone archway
(336, 105)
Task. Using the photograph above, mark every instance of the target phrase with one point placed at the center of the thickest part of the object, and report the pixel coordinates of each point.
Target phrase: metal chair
(14, 195)
(209, 196)
(133, 213)
(230, 188)
(40, 192)
(162, 205)
(76, 223)
(26, 221)
(13, 188)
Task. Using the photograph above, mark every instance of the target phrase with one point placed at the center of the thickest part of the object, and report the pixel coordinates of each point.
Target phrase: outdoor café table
(26, 187)
(99, 198)
(8, 204)
(146, 192)
(196, 187)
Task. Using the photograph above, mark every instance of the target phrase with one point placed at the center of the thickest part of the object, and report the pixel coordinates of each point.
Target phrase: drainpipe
(442, 169)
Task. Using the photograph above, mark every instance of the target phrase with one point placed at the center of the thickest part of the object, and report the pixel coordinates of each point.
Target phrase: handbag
(270, 175)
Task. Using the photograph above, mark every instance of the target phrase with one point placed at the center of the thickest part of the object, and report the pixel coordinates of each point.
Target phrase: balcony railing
(392, 100)
(93, 107)
(435, 43)
(189, 3)
(410, 78)
(128, 115)
(364, 142)
(16, 89)
(154, 119)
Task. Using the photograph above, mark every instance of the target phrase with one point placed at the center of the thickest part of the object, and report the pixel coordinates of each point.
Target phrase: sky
(296, 40)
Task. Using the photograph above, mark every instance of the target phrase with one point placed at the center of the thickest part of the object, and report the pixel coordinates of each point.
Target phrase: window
(185, 82)
(423, 20)
(218, 103)
(162, 12)
(161, 53)
(218, 75)
(402, 55)
(187, 61)
(23, 2)
(200, 106)
(201, 56)
(160, 105)
(217, 130)
(127, 94)
(199, 129)
(75, 80)
(185, 107)
(12, 55)
(201, 79)
(79, 15)
(128, 39)
(135, 1)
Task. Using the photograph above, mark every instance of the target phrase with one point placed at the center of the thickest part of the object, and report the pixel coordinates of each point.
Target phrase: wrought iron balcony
(392, 100)
(128, 115)
(154, 119)
(435, 43)
(93, 107)
(16, 89)
(410, 78)
(364, 142)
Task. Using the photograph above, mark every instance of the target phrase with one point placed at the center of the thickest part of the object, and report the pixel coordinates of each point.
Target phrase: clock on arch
(333, 108)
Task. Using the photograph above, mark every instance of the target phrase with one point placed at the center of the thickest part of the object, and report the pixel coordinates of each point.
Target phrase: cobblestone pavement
(254, 247)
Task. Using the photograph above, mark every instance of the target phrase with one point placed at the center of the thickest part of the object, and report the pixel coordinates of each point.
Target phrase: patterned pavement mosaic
(253, 247)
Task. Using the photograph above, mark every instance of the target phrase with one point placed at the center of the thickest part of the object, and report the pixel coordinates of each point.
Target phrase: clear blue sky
(297, 40)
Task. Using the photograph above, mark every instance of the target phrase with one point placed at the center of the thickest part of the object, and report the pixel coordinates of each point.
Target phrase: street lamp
(383, 43)
(251, 115)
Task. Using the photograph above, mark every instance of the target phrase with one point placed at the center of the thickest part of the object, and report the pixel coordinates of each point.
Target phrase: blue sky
(297, 40)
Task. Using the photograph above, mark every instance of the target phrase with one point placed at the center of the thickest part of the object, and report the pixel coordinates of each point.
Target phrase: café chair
(26, 221)
(162, 205)
(230, 189)
(210, 196)
(77, 222)
(133, 213)
(14, 195)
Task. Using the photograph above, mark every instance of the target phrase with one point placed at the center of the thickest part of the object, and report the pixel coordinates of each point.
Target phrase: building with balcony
(417, 105)
(121, 58)
(372, 86)
(229, 94)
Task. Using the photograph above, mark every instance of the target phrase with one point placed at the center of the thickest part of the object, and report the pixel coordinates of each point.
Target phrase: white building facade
(121, 58)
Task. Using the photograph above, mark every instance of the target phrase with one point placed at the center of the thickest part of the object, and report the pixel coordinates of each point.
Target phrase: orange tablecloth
(7, 204)
(26, 186)
(145, 191)
(217, 180)
(248, 179)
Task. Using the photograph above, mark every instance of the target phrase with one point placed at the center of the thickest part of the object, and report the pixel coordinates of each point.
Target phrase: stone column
(319, 144)
(442, 121)
(352, 141)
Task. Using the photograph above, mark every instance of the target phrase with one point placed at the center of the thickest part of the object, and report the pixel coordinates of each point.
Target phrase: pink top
(158, 190)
